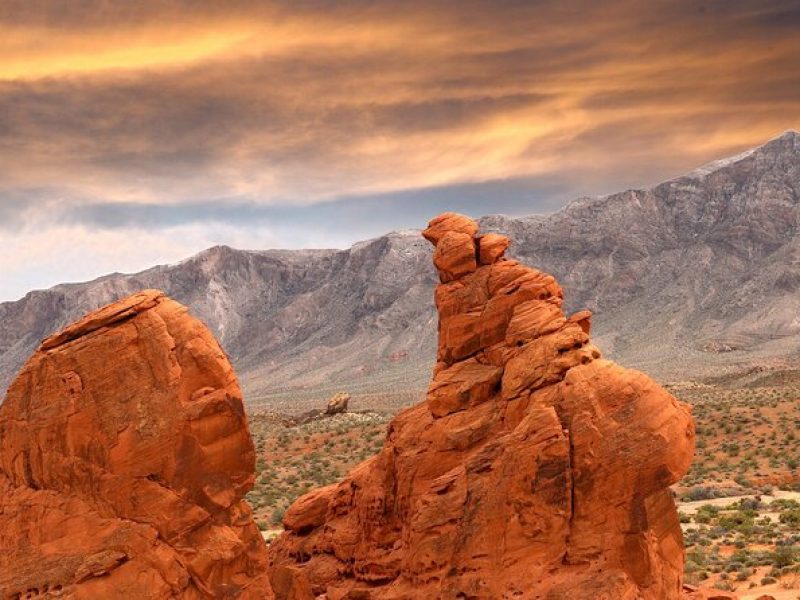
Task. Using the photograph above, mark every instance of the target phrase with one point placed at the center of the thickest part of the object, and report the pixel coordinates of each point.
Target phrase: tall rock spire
(534, 469)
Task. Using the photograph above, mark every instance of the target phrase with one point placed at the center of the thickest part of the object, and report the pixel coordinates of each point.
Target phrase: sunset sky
(137, 133)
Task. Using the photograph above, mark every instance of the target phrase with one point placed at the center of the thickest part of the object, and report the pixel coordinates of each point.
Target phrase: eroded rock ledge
(534, 469)
(124, 461)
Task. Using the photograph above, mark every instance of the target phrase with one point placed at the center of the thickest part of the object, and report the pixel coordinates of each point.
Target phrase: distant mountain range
(689, 278)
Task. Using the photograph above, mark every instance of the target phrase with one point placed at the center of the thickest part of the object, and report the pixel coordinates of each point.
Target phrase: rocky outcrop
(337, 404)
(534, 469)
(125, 457)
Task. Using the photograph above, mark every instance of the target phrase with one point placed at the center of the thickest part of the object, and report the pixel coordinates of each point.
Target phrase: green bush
(784, 555)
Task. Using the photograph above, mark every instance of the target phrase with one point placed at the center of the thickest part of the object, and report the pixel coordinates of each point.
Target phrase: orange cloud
(309, 101)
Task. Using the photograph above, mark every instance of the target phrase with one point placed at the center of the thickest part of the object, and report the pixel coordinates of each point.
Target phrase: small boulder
(492, 247)
(337, 404)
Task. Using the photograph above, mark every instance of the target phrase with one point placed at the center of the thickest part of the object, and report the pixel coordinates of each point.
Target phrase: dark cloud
(367, 215)
(437, 114)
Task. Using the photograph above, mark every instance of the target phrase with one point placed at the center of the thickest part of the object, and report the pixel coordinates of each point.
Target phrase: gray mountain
(690, 277)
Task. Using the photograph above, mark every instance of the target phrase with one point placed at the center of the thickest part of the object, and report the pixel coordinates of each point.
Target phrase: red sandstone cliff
(124, 460)
(534, 469)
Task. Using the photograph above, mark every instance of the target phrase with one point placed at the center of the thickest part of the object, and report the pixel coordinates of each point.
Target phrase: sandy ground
(271, 534)
(773, 590)
(776, 589)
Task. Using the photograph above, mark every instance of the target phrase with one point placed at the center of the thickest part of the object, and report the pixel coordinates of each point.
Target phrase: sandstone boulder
(491, 246)
(124, 461)
(337, 404)
(534, 469)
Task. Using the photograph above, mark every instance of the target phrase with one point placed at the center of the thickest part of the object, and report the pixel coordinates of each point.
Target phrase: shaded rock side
(534, 469)
(124, 461)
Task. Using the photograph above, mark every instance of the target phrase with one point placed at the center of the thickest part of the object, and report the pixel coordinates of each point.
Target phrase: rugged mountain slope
(287, 319)
(702, 264)
(695, 274)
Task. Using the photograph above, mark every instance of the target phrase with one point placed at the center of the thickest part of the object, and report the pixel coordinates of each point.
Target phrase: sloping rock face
(534, 469)
(124, 460)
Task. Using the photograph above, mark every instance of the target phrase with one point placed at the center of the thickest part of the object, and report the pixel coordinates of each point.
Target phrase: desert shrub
(741, 521)
(726, 586)
(791, 517)
(699, 493)
(784, 555)
(705, 513)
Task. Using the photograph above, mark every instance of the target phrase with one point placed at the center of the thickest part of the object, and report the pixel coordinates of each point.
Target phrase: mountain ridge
(691, 274)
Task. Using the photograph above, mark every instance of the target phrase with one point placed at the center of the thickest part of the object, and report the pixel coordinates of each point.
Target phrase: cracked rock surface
(124, 461)
(534, 470)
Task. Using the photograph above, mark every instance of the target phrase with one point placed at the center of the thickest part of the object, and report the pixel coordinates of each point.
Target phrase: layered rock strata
(534, 469)
(124, 459)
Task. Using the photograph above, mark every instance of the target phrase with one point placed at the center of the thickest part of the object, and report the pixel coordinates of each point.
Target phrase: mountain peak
(776, 143)
(789, 140)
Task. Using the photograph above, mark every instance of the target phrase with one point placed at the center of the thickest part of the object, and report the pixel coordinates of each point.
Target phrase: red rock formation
(124, 461)
(534, 469)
